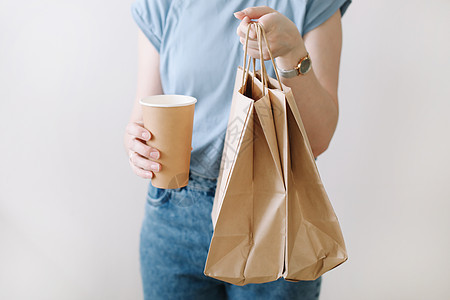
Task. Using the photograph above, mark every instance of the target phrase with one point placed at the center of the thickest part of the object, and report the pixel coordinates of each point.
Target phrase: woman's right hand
(139, 152)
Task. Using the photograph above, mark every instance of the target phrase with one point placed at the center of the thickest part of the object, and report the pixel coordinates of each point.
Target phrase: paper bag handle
(261, 30)
(260, 33)
(247, 65)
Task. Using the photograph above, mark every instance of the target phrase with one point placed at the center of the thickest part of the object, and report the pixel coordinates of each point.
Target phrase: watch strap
(288, 73)
(293, 72)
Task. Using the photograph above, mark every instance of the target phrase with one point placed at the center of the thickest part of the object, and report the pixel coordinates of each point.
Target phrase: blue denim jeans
(175, 237)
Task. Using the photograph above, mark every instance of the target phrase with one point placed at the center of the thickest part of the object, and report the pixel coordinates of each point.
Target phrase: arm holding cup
(142, 157)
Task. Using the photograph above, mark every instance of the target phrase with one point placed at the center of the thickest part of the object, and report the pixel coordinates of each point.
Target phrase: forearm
(136, 113)
(135, 117)
(319, 111)
(148, 79)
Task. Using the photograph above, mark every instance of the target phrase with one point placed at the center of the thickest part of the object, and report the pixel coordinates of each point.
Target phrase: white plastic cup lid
(167, 100)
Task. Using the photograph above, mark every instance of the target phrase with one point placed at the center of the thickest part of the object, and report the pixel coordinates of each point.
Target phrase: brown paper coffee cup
(170, 119)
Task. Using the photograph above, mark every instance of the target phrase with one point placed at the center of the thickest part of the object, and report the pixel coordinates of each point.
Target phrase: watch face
(305, 66)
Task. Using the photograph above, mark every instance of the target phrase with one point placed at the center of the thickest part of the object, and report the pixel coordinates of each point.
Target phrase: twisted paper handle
(260, 33)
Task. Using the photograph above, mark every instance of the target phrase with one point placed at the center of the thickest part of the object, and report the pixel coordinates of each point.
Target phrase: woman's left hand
(282, 34)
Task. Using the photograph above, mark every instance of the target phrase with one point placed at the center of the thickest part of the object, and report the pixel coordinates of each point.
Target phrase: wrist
(290, 60)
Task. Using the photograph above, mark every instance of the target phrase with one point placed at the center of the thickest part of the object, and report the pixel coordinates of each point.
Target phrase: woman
(190, 47)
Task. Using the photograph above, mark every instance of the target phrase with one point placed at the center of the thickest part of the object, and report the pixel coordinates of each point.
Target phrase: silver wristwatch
(303, 67)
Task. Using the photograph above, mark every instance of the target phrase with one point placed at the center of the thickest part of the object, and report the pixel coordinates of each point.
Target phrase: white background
(70, 208)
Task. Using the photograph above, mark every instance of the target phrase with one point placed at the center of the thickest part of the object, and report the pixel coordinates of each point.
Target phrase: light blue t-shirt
(200, 52)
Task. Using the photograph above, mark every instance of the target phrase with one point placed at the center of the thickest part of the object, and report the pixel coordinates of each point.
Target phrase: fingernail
(145, 135)
(154, 154)
(149, 174)
(154, 167)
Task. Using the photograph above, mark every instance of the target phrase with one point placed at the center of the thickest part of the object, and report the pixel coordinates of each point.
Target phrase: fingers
(243, 28)
(252, 44)
(141, 155)
(142, 166)
(139, 133)
(140, 172)
(140, 159)
(253, 48)
(143, 149)
(252, 40)
(144, 163)
(137, 130)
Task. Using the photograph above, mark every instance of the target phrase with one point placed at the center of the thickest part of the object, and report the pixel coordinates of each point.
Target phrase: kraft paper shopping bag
(272, 217)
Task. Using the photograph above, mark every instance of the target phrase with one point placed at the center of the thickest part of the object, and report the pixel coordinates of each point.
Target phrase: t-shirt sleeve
(150, 16)
(318, 11)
